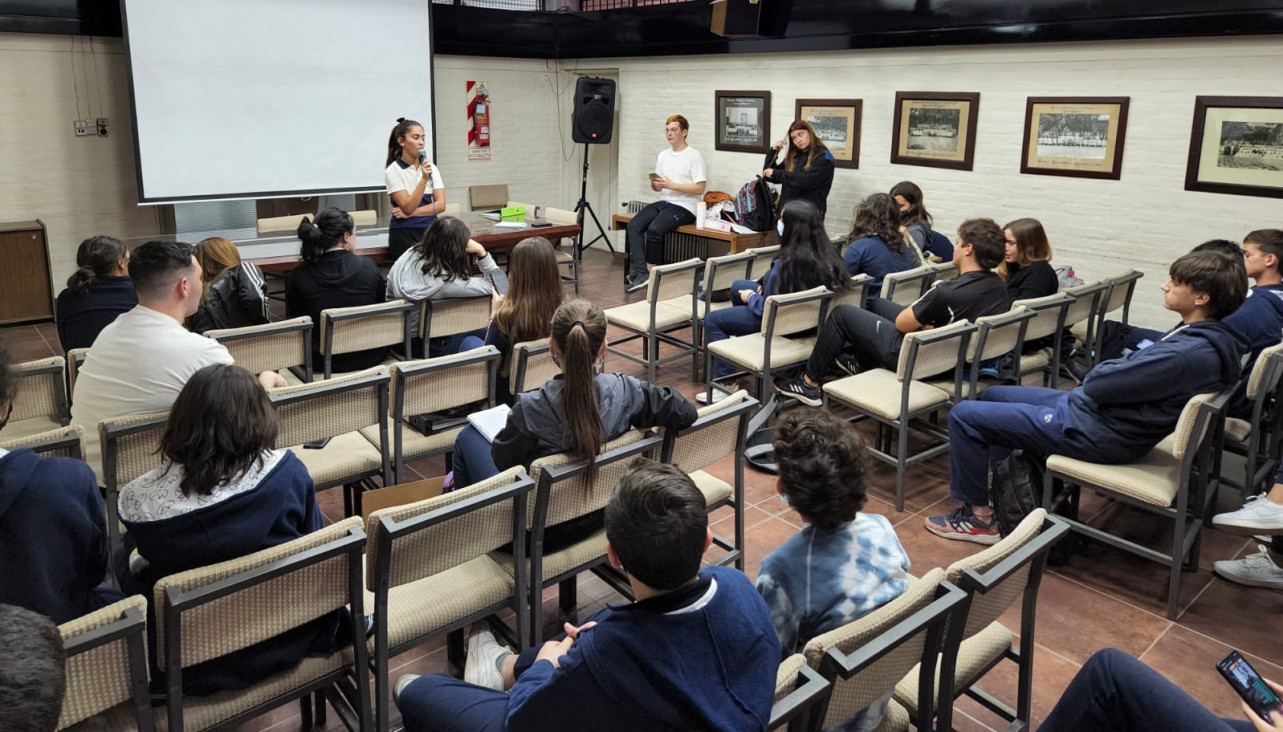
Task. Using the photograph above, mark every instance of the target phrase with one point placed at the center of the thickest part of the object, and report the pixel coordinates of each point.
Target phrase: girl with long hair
(235, 293)
(525, 313)
(806, 173)
(415, 186)
(439, 267)
(332, 276)
(97, 292)
(576, 413)
(807, 259)
(222, 491)
(877, 248)
(917, 222)
(1026, 264)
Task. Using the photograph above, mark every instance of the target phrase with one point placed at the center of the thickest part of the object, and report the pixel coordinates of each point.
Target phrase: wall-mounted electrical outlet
(102, 126)
(82, 128)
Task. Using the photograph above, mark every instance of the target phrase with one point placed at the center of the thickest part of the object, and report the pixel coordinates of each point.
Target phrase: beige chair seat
(1237, 430)
(1030, 362)
(28, 427)
(704, 309)
(120, 717)
(1079, 330)
(747, 350)
(637, 315)
(203, 712)
(413, 442)
(565, 560)
(1154, 479)
(564, 257)
(420, 607)
(714, 489)
(345, 456)
(897, 718)
(879, 392)
(975, 654)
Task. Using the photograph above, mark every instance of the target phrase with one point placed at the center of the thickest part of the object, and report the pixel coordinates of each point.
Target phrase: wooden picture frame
(935, 129)
(1079, 137)
(743, 121)
(1236, 146)
(837, 123)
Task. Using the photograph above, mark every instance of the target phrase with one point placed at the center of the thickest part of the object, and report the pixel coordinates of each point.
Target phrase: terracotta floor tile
(1188, 659)
(1256, 611)
(1131, 578)
(1052, 673)
(762, 539)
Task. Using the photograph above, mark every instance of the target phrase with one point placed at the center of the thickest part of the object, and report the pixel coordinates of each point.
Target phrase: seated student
(875, 335)
(329, 276)
(222, 492)
(806, 260)
(139, 363)
(1261, 516)
(97, 292)
(575, 412)
(877, 248)
(917, 222)
(32, 675)
(1114, 691)
(695, 650)
(1260, 319)
(525, 313)
(235, 293)
(844, 563)
(1026, 262)
(1123, 408)
(439, 267)
(53, 540)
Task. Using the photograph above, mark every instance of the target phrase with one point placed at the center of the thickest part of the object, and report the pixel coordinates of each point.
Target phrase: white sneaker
(718, 394)
(401, 683)
(482, 664)
(1254, 570)
(1258, 516)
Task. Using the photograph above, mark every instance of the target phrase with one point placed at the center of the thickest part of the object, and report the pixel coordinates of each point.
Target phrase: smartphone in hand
(1249, 685)
(653, 175)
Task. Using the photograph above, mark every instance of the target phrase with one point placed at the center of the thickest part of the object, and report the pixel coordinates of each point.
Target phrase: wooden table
(486, 231)
(737, 242)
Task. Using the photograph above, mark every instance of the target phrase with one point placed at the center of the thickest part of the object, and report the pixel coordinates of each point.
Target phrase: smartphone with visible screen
(1249, 685)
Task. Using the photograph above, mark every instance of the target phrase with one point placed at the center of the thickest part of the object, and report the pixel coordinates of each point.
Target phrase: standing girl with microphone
(414, 185)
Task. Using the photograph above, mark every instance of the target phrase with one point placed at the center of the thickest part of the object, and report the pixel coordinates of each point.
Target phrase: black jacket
(1037, 279)
(81, 317)
(809, 185)
(336, 279)
(236, 299)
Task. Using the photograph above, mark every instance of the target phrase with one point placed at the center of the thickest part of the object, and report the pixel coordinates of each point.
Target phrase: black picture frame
(1093, 150)
(1246, 158)
(959, 129)
(742, 131)
(846, 152)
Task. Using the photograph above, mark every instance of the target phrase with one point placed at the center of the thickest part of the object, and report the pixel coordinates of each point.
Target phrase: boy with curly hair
(844, 563)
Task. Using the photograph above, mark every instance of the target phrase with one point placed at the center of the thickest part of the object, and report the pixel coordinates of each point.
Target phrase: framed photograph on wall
(936, 129)
(743, 121)
(837, 123)
(1236, 146)
(1080, 137)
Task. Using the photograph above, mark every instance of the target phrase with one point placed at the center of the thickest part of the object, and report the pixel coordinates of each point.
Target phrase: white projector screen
(272, 98)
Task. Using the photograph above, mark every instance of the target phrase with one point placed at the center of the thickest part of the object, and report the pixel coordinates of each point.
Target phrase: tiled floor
(1101, 598)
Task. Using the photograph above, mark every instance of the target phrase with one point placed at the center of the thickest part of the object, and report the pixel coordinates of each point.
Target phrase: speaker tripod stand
(582, 208)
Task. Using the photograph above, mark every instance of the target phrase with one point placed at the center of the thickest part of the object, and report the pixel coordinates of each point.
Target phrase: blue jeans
(472, 461)
(1114, 691)
(733, 321)
(984, 432)
(470, 342)
(442, 703)
(450, 345)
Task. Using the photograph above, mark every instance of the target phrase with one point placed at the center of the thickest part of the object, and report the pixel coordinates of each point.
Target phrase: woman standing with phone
(414, 185)
(807, 170)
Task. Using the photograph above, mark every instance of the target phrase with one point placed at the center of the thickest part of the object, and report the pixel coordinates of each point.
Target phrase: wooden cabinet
(25, 290)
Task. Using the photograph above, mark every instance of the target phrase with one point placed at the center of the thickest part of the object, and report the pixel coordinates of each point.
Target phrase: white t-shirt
(138, 364)
(686, 166)
(402, 177)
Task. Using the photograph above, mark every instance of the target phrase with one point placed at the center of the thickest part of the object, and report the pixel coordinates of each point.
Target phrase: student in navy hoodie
(97, 292)
(696, 650)
(877, 247)
(222, 492)
(1123, 408)
(1260, 319)
(53, 540)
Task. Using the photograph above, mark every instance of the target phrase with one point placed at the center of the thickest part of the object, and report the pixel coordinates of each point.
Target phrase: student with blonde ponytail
(576, 413)
(98, 291)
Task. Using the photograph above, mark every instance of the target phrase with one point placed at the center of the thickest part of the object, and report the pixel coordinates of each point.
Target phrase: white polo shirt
(686, 166)
(400, 176)
(138, 364)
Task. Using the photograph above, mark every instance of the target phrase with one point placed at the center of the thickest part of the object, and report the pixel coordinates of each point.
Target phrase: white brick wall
(83, 186)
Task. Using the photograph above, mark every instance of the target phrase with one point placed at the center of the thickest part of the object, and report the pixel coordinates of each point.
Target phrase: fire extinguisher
(481, 120)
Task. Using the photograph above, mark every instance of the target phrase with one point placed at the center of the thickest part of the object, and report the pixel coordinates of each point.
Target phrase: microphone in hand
(423, 156)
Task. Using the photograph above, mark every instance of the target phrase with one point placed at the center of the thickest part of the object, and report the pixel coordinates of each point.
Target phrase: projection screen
(261, 99)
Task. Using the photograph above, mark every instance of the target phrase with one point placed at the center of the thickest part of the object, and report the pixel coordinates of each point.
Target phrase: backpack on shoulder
(755, 205)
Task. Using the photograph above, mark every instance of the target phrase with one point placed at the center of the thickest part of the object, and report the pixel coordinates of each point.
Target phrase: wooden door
(25, 290)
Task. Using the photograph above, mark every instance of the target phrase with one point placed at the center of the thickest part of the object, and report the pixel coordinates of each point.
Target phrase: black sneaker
(849, 364)
(798, 389)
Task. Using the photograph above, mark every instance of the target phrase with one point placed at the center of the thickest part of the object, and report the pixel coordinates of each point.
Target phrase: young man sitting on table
(696, 650)
(1123, 408)
(875, 335)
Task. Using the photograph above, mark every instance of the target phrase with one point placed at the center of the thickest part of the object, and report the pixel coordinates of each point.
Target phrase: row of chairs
(430, 568)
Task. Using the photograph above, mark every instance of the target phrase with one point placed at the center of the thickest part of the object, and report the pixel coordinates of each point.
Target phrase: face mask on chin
(779, 228)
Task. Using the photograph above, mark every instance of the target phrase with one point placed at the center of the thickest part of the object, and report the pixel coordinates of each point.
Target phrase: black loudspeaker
(594, 115)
